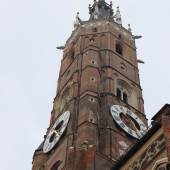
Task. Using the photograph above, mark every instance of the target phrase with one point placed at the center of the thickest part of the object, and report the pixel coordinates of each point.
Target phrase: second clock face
(56, 132)
(128, 121)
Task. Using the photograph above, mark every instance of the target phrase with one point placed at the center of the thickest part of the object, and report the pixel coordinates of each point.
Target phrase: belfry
(98, 120)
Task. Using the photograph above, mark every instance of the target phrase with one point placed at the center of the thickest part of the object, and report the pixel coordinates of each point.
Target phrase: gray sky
(29, 65)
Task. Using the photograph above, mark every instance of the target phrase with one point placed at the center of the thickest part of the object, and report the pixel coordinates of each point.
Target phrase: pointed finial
(90, 11)
(77, 21)
(118, 16)
(96, 12)
(129, 28)
(111, 4)
(111, 9)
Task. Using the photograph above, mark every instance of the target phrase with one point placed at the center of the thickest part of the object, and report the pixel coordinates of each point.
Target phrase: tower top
(101, 10)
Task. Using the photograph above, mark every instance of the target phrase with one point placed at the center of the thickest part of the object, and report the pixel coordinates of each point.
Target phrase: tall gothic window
(119, 48)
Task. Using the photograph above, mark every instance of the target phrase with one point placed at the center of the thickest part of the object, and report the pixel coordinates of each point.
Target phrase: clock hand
(56, 132)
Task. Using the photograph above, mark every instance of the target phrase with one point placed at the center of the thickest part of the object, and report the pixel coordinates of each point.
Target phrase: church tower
(98, 111)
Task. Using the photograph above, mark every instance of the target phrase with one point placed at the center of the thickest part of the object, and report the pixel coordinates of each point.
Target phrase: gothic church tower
(98, 111)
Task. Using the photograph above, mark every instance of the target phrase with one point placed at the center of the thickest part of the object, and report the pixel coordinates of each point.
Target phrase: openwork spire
(101, 10)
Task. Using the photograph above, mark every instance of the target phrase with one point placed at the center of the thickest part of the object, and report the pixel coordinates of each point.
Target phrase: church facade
(98, 120)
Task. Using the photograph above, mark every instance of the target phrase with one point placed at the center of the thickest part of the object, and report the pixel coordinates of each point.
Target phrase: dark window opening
(122, 95)
(120, 36)
(119, 93)
(93, 62)
(125, 98)
(42, 168)
(92, 99)
(92, 79)
(56, 165)
(72, 55)
(119, 49)
(92, 40)
(94, 29)
(162, 166)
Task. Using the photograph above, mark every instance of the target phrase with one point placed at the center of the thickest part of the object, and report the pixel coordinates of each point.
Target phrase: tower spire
(100, 10)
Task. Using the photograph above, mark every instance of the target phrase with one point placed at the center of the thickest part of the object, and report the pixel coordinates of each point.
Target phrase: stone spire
(100, 10)
(129, 28)
(118, 17)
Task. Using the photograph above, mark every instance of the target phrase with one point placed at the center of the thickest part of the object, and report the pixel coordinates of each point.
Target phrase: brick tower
(98, 111)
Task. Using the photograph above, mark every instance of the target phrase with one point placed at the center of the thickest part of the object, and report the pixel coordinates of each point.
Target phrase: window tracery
(126, 93)
(122, 94)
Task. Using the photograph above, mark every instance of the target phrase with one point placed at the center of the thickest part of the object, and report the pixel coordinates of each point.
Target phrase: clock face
(56, 132)
(128, 121)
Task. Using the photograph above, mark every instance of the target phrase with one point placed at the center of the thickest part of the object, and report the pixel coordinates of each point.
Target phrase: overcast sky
(29, 65)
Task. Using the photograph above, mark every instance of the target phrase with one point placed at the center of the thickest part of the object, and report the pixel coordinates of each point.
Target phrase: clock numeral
(117, 118)
(130, 131)
(142, 125)
(129, 112)
(122, 125)
(117, 109)
(113, 111)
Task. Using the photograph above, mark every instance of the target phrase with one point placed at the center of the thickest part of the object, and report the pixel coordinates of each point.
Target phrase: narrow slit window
(72, 55)
(125, 97)
(56, 165)
(119, 93)
(119, 48)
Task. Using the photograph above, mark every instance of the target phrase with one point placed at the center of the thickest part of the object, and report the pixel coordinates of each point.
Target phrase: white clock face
(128, 121)
(56, 132)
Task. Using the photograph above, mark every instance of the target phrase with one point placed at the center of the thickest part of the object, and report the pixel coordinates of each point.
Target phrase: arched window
(161, 167)
(122, 94)
(161, 164)
(119, 48)
(125, 92)
(56, 165)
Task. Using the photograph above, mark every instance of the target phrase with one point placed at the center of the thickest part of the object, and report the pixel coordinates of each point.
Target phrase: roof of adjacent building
(137, 146)
(156, 124)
